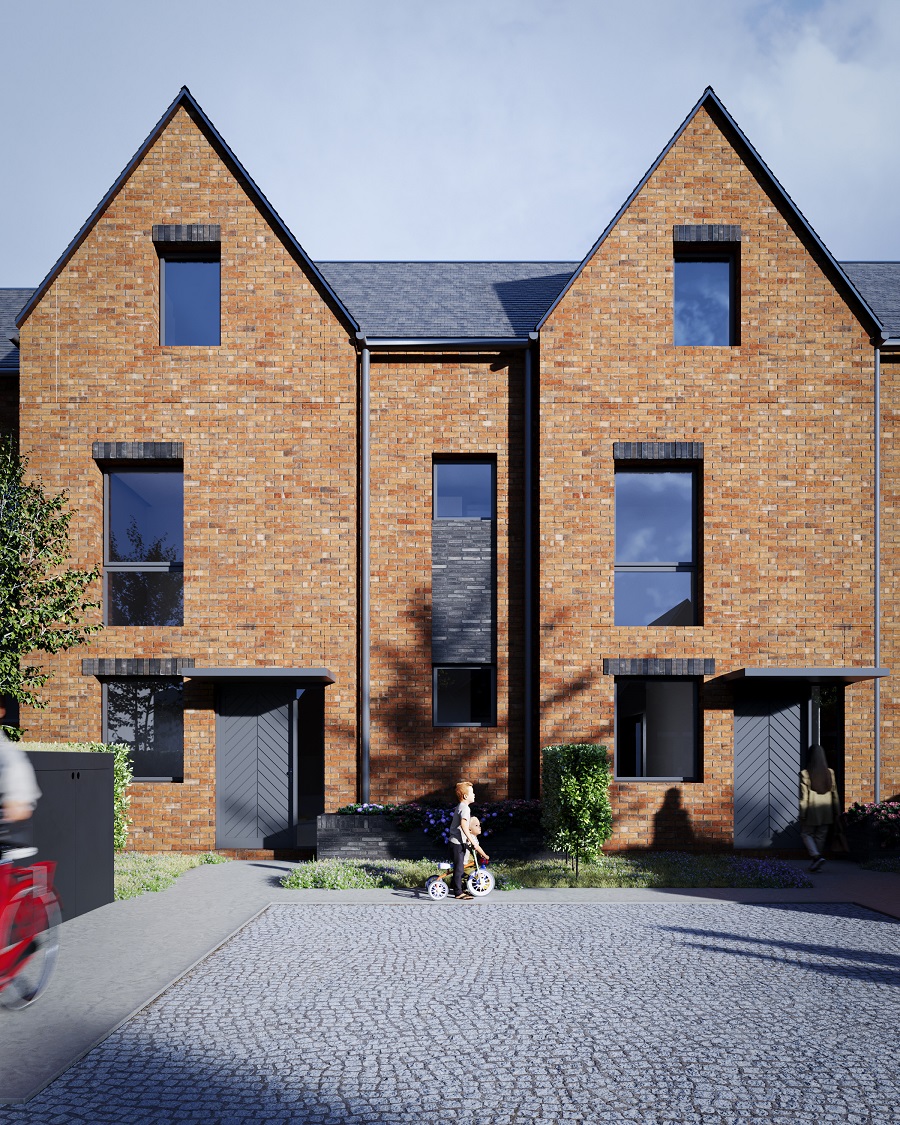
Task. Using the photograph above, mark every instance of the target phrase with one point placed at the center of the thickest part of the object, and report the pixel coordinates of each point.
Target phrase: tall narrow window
(144, 547)
(147, 715)
(656, 548)
(705, 301)
(656, 728)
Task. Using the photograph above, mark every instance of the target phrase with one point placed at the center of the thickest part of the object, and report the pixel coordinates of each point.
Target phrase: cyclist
(19, 791)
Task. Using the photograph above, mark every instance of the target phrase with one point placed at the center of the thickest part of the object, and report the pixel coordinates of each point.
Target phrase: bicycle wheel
(480, 882)
(37, 916)
(436, 888)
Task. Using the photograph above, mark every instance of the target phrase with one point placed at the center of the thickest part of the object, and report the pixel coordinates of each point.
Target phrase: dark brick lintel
(155, 666)
(653, 667)
(658, 450)
(187, 232)
(138, 450)
(707, 232)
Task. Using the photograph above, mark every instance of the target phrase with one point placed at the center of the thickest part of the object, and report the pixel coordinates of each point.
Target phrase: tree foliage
(42, 601)
(577, 816)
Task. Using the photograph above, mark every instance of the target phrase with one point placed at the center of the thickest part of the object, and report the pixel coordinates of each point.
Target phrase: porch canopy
(811, 675)
(310, 676)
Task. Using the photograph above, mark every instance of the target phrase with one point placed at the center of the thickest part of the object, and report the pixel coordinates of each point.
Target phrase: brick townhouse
(367, 527)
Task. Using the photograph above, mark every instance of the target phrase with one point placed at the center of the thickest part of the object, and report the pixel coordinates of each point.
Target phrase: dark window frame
(105, 681)
(713, 252)
(491, 721)
(186, 252)
(463, 459)
(696, 775)
(695, 468)
(114, 567)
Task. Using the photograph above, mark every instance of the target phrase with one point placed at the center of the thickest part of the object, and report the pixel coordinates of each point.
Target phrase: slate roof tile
(879, 283)
(11, 302)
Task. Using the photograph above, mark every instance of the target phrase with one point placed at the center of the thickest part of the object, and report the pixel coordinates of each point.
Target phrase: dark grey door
(255, 748)
(769, 744)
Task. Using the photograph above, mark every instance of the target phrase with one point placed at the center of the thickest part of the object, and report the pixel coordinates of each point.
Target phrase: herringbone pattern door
(254, 767)
(768, 751)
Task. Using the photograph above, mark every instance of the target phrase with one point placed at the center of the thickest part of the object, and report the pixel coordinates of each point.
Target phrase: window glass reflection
(656, 728)
(145, 597)
(148, 716)
(146, 516)
(464, 490)
(654, 598)
(463, 696)
(654, 517)
(192, 302)
(702, 302)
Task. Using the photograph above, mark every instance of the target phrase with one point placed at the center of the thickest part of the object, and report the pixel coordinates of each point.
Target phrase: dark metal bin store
(73, 826)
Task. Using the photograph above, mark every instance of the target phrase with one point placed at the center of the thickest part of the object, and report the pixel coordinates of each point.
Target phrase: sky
(438, 130)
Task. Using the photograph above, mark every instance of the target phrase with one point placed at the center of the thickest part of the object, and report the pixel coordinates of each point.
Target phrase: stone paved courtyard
(494, 1012)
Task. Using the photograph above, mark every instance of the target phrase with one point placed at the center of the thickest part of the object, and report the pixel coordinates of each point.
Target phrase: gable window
(706, 285)
(147, 715)
(656, 729)
(190, 284)
(656, 547)
(464, 696)
(144, 546)
(463, 490)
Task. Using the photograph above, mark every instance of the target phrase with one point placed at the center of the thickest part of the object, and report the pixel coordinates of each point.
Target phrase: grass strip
(137, 873)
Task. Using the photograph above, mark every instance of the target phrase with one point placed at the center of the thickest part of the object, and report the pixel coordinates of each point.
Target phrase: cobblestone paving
(647, 1013)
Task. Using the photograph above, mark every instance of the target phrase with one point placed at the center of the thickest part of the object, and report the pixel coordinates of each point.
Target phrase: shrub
(122, 775)
(883, 816)
(577, 816)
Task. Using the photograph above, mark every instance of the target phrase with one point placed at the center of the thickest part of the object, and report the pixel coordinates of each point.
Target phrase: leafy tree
(577, 816)
(42, 602)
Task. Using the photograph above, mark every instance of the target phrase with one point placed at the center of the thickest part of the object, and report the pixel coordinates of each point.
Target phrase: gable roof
(409, 300)
(732, 131)
(879, 282)
(186, 100)
(11, 300)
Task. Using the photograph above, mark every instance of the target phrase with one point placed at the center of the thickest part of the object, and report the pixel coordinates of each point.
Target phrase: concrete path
(114, 960)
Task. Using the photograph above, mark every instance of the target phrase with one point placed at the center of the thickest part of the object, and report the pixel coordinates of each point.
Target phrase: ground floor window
(656, 729)
(463, 695)
(147, 714)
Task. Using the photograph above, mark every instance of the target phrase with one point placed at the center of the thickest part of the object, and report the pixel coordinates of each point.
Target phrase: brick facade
(780, 427)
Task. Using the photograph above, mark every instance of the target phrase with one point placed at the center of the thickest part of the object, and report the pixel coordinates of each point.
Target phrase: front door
(770, 741)
(255, 751)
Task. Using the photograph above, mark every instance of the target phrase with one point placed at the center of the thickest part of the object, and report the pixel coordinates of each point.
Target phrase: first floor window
(656, 728)
(144, 546)
(656, 547)
(463, 695)
(147, 714)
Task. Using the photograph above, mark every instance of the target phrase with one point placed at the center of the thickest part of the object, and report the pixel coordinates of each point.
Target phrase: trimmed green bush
(122, 775)
(577, 815)
(331, 875)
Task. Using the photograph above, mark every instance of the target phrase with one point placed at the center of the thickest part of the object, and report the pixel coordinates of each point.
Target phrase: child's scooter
(479, 881)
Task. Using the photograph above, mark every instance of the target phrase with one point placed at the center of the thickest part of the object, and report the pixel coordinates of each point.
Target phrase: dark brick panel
(657, 667)
(138, 451)
(187, 232)
(709, 232)
(462, 584)
(658, 450)
(158, 666)
(377, 837)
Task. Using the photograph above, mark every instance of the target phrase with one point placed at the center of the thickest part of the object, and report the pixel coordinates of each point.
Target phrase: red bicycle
(29, 922)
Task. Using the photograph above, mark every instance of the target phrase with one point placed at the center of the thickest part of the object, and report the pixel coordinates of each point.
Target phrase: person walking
(461, 837)
(820, 805)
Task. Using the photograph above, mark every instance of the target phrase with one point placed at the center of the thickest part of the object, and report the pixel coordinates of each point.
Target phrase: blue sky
(426, 129)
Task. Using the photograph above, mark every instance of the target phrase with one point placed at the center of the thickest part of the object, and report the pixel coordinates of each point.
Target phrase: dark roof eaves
(184, 96)
(710, 96)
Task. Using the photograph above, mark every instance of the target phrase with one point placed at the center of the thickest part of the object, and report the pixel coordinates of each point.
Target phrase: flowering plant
(883, 816)
(495, 816)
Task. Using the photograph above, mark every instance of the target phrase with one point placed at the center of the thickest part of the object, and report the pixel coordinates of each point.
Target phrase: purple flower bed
(495, 816)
